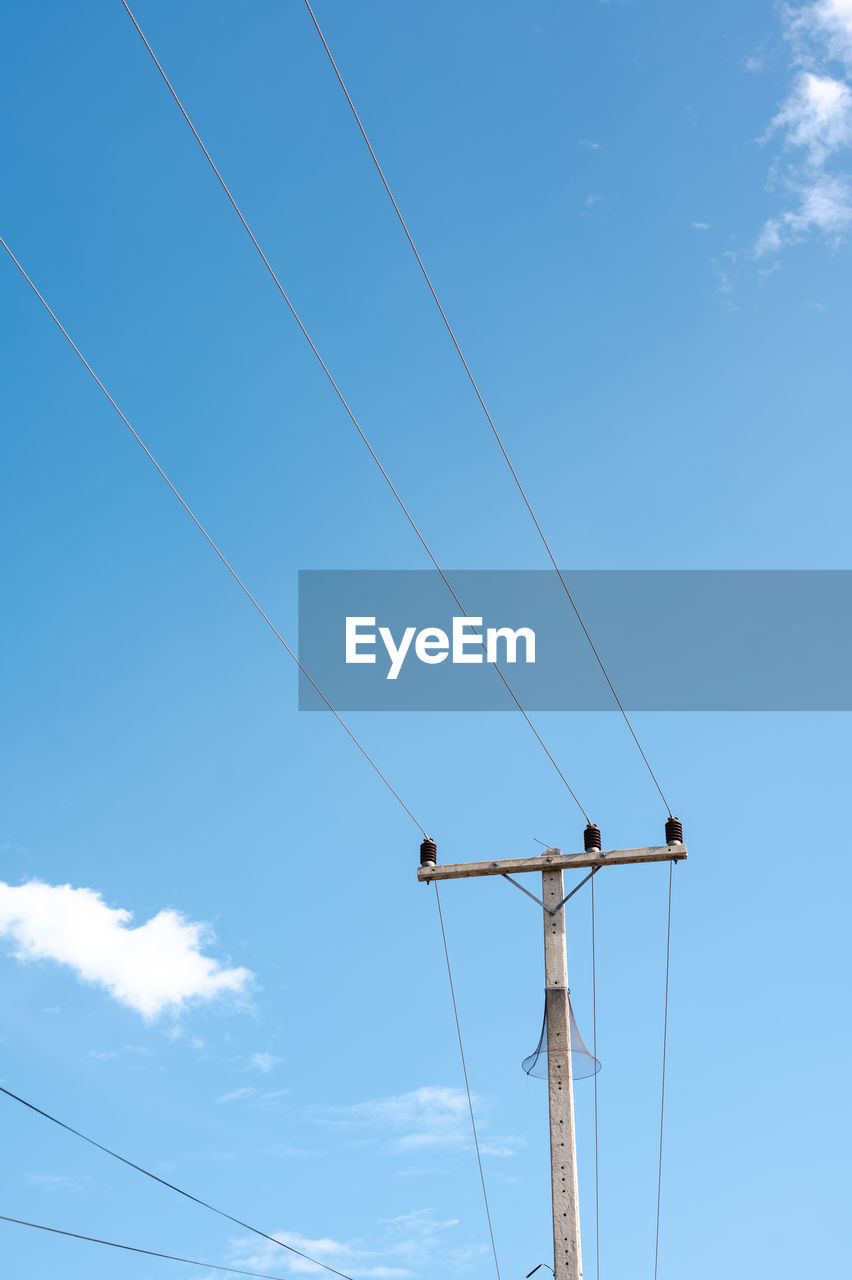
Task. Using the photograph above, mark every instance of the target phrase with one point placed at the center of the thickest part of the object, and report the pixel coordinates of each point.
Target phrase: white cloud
(701, 226)
(817, 116)
(769, 240)
(264, 1062)
(108, 1055)
(826, 21)
(590, 205)
(408, 1245)
(237, 1095)
(57, 1181)
(151, 968)
(824, 207)
(427, 1117)
(247, 1093)
(815, 120)
(335, 1253)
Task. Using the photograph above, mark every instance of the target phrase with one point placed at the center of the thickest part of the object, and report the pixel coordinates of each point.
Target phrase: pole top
(552, 860)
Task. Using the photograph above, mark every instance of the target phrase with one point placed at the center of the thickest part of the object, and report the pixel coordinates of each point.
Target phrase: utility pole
(567, 1254)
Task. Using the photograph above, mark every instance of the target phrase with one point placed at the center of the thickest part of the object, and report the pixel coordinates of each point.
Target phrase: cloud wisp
(247, 1093)
(334, 1253)
(401, 1248)
(814, 126)
(263, 1062)
(155, 967)
(432, 1118)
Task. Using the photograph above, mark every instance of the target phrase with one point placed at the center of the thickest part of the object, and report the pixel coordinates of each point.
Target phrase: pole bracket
(553, 910)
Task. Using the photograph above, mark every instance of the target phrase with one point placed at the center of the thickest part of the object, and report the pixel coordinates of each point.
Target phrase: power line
(171, 1186)
(150, 1253)
(466, 1080)
(482, 403)
(663, 1085)
(292, 654)
(338, 392)
(202, 529)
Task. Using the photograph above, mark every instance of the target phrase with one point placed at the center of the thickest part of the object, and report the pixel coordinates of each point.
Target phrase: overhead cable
(231, 570)
(482, 403)
(149, 1253)
(171, 1186)
(339, 393)
(466, 1080)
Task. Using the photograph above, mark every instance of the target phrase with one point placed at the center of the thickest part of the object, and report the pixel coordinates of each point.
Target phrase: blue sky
(636, 215)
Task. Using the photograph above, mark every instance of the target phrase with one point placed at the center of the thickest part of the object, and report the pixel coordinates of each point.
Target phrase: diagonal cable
(171, 1186)
(466, 1080)
(339, 393)
(149, 1253)
(482, 403)
(206, 535)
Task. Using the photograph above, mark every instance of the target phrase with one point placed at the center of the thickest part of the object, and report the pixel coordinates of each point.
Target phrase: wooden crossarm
(552, 860)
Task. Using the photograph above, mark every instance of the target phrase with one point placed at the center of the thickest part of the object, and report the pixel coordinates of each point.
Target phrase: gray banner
(691, 640)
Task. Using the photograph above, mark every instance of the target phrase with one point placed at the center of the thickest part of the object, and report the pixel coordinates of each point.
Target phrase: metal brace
(553, 910)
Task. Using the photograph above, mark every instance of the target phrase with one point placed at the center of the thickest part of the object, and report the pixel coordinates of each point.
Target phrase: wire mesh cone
(583, 1064)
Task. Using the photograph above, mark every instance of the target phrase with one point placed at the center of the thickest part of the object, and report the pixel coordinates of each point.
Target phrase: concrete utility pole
(567, 1255)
